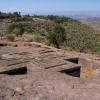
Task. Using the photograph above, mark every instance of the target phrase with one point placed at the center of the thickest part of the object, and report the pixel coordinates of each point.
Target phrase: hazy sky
(49, 5)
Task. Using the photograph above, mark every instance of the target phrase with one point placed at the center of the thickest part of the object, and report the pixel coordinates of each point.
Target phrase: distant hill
(92, 21)
(66, 13)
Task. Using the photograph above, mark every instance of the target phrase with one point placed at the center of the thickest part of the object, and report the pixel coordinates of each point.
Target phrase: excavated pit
(75, 72)
(13, 64)
(73, 60)
(17, 71)
(88, 68)
(3, 44)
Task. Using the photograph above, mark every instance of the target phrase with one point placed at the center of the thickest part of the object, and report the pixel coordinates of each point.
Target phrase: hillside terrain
(31, 70)
(77, 36)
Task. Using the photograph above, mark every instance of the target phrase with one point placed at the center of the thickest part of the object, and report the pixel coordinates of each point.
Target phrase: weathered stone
(35, 61)
(50, 60)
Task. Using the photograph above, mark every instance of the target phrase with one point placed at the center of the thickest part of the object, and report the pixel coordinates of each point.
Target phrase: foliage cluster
(39, 38)
(9, 15)
(82, 37)
(57, 36)
(15, 28)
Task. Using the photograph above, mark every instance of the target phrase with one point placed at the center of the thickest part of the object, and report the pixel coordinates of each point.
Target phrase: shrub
(15, 28)
(39, 38)
(17, 31)
(57, 36)
(11, 37)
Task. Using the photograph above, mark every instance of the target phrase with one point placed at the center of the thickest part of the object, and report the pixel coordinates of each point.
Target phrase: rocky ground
(44, 84)
(48, 86)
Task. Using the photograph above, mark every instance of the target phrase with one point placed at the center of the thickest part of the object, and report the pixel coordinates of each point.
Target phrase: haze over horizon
(49, 5)
(60, 7)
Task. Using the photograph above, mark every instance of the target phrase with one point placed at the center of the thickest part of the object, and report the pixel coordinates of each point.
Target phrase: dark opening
(72, 72)
(1, 44)
(74, 60)
(19, 71)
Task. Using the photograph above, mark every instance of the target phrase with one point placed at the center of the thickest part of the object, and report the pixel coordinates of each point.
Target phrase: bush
(39, 38)
(15, 28)
(57, 36)
(11, 37)
(17, 31)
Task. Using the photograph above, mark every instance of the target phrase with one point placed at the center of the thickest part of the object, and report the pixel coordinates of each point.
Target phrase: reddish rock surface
(48, 86)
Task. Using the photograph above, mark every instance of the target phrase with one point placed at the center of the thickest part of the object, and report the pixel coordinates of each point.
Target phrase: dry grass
(88, 73)
(0, 56)
(27, 38)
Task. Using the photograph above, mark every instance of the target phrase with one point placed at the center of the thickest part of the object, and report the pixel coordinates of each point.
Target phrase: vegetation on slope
(78, 36)
(82, 37)
(61, 32)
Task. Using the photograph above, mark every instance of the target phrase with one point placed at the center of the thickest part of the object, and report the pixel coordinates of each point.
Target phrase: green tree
(57, 36)
(17, 14)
